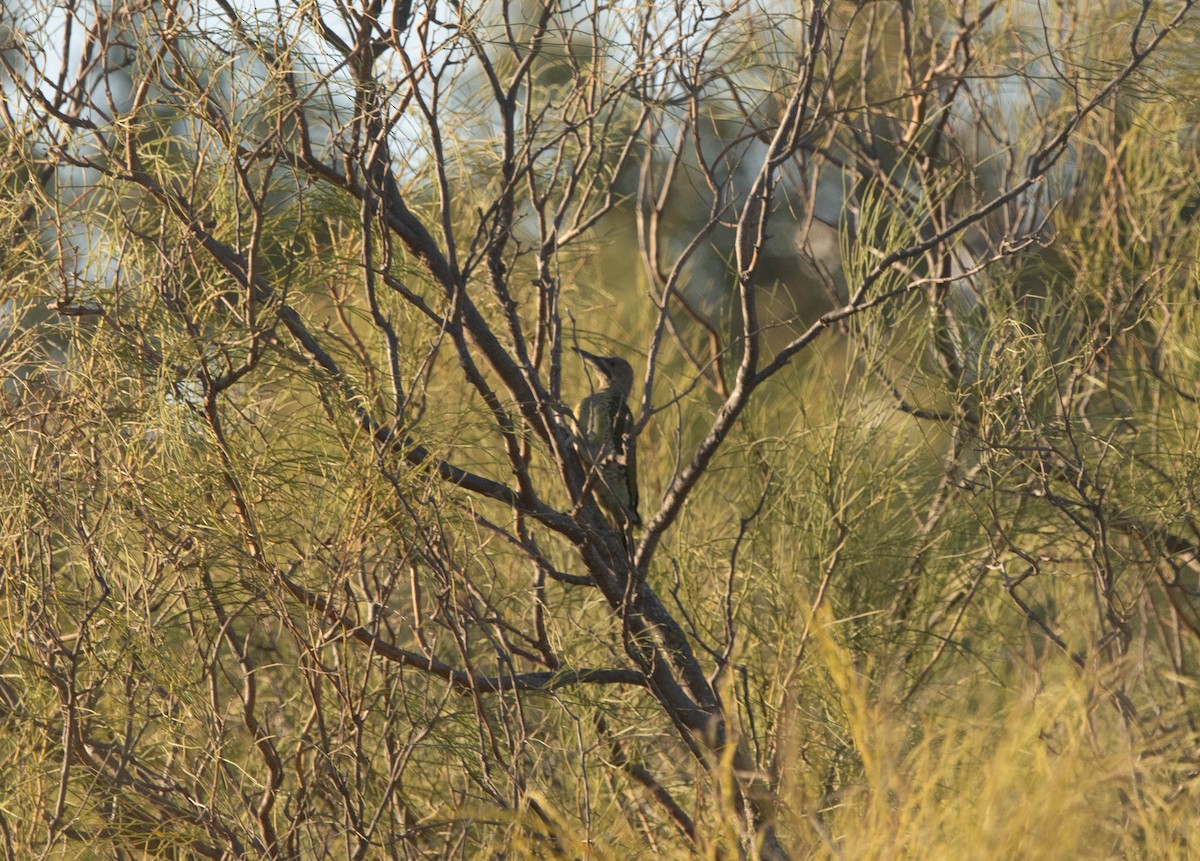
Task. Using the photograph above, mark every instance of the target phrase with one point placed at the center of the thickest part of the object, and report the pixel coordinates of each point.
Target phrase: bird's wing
(629, 455)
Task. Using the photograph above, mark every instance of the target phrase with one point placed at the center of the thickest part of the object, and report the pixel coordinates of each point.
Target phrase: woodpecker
(607, 445)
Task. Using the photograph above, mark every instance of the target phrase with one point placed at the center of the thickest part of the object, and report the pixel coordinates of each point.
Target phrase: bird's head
(613, 368)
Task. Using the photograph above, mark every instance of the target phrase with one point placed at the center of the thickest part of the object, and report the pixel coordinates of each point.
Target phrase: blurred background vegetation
(910, 291)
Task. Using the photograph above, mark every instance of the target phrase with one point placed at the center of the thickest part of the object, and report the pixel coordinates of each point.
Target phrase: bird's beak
(591, 357)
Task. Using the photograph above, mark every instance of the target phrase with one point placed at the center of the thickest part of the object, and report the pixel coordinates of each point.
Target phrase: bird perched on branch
(607, 445)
